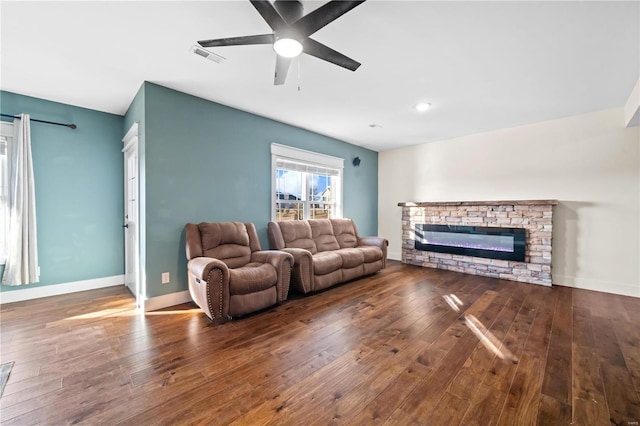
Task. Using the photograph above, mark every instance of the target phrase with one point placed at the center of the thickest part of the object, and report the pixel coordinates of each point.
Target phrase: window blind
(286, 164)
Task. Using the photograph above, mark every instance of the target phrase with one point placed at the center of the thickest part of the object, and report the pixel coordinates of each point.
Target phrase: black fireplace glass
(477, 241)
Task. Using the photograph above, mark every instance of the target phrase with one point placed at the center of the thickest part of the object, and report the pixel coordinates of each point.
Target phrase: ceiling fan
(291, 31)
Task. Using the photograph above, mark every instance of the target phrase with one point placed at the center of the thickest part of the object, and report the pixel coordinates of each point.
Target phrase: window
(6, 136)
(305, 184)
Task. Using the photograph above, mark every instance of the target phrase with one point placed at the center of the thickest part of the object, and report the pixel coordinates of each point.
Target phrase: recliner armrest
(202, 266)
(274, 257)
(283, 263)
(209, 286)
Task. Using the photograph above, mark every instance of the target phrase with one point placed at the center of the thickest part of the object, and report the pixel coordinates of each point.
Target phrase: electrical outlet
(165, 278)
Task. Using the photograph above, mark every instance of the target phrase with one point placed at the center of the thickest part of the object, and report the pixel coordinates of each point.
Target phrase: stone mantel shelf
(477, 203)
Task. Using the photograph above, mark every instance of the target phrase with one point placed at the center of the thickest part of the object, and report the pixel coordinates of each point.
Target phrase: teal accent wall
(209, 162)
(79, 190)
(199, 161)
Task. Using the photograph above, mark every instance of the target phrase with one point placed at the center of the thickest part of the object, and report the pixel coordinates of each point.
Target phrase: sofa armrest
(283, 262)
(209, 286)
(381, 242)
(302, 278)
(373, 241)
(276, 241)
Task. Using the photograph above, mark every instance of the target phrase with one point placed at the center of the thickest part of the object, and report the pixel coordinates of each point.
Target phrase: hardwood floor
(406, 346)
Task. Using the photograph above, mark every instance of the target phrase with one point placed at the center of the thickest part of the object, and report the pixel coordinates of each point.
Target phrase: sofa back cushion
(345, 232)
(297, 234)
(322, 233)
(228, 242)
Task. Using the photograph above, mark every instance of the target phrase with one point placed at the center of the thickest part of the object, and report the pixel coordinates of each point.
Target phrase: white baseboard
(166, 300)
(597, 285)
(58, 289)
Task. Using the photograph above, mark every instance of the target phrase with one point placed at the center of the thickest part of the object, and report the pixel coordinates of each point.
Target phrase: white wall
(590, 163)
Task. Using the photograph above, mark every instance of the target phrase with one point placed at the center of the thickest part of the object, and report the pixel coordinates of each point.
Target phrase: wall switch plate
(165, 278)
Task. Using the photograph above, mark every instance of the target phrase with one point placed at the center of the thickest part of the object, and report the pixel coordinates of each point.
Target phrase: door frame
(130, 147)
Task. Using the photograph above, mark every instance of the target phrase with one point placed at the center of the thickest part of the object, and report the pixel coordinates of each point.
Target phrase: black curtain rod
(72, 126)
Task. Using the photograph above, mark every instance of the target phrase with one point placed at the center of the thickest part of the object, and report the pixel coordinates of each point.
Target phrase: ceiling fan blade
(322, 16)
(235, 41)
(320, 51)
(269, 14)
(282, 67)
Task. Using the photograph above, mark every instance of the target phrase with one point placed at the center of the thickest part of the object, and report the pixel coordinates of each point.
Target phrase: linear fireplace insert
(478, 241)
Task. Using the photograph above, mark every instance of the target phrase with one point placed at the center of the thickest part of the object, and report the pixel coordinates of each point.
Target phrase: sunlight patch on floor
(129, 312)
(487, 338)
(174, 312)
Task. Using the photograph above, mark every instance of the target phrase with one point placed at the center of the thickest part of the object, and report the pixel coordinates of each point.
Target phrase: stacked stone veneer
(533, 215)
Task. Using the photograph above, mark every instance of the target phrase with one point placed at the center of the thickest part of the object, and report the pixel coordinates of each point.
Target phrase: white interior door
(131, 215)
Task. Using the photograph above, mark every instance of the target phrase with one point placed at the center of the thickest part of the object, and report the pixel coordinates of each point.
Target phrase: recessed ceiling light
(423, 106)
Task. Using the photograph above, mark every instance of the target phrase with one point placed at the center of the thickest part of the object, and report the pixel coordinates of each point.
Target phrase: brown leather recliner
(229, 275)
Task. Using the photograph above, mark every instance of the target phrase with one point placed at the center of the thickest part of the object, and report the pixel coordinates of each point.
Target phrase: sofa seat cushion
(327, 280)
(251, 278)
(371, 253)
(351, 257)
(326, 261)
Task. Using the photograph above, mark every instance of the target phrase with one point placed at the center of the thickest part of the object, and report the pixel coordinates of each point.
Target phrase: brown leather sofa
(229, 275)
(327, 251)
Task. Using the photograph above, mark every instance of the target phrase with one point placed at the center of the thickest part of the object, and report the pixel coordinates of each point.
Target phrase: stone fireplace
(499, 239)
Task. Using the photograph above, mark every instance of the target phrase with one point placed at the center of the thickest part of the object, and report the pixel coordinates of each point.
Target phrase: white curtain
(22, 250)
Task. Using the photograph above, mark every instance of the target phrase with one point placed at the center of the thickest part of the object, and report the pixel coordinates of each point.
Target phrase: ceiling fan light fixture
(287, 47)
(423, 106)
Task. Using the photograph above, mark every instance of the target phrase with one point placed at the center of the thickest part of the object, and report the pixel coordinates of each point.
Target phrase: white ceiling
(482, 65)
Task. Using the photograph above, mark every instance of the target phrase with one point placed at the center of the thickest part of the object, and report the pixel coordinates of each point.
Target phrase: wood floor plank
(506, 362)
(557, 379)
(632, 359)
(623, 403)
(487, 407)
(589, 401)
(388, 401)
(604, 333)
(450, 410)
(582, 330)
(522, 403)
(394, 348)
(553, 412)
(628, 336)
(473, 371)
(450, 351)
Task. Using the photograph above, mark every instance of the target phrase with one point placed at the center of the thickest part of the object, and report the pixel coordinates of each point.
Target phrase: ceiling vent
(208, 55)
